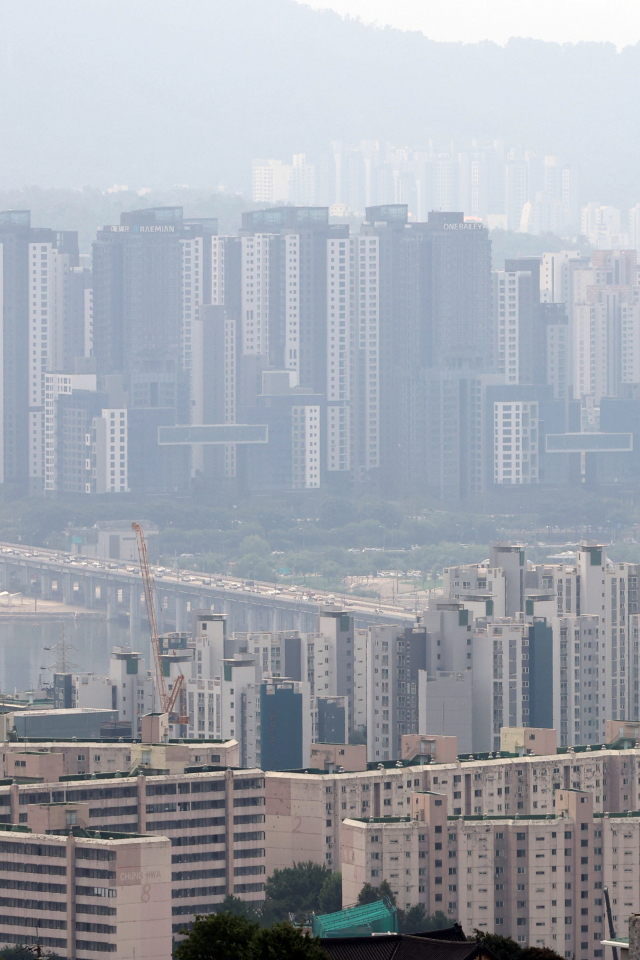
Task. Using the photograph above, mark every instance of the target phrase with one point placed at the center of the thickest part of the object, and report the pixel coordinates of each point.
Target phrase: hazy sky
(471, 20)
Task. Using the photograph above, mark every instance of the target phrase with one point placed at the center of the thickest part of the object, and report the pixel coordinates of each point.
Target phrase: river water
(24, 659)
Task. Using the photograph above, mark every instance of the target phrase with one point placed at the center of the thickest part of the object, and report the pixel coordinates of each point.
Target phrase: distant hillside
(158, 92)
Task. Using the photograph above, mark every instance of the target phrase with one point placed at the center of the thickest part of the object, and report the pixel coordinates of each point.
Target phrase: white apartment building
(132, 688)
(516, 437)
(592, 607)
(306, 440)
(44, 461)
(270, 181)
(511, 298)
(255, 294)
(602, 227)
(579, 692)
(110, 451)
(341, 333)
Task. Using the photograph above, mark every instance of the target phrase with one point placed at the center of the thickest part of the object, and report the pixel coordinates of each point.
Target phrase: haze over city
(320, 480)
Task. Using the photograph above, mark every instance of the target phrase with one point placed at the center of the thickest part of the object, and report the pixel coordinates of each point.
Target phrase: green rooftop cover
(377, 917)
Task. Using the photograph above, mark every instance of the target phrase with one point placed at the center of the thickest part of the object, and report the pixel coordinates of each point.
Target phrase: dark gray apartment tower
(138, 289)
(152, 274)
(77, 336)
(297, 287)
(459, 297)
(532, 339)
(404, 344)
(75, 413)
(15, 228)
(435, 315)
(219, 385)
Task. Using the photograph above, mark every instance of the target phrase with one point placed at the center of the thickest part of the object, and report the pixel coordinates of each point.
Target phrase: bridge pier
(181, 614)
(66, 587)
(112, 601)
(134, 613)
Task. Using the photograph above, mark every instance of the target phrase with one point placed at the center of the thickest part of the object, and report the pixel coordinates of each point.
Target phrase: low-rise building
(45, 760)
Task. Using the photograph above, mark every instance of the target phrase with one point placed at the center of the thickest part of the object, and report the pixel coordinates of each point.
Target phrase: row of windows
(200, 908)
(169, 789)
(21, 867)
(95, 945)
(33, 849)
(96, 908)
(161, 825)
(90, 873)
(59, 906)
(33, 886)
(32, 922)
(198, 875)
(184, 806)
(196, 841)
(108, 892)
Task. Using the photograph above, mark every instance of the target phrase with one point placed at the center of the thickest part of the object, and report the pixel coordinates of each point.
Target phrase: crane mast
(167, 700)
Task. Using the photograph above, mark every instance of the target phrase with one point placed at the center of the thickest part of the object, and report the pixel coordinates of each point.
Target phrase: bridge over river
(114, 590)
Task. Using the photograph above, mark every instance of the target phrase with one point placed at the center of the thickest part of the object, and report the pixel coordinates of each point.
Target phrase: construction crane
(168, 699)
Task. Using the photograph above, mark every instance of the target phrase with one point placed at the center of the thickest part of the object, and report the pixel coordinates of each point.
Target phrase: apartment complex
(313, 804)
(591, 610)
(214, 821)
(537, 878)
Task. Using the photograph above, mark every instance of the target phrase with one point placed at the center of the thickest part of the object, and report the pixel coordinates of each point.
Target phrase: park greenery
(319, 540)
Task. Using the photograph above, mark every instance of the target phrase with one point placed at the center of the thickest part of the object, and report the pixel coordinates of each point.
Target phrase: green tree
(416, 920)
(370, 894)
(295, 889)
(283, 941)
(220, 936)
(330, 896)
(254, 567)
(503, 948)
(437, 921)
(358, 736)
(540, 953)
(238, 907)
(254, 544)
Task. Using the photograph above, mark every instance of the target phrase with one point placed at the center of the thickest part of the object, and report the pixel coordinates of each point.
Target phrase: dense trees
(320, 540)
(504, 948)
(370, 894)
(302, 889)
(228, 936)
(220, 936)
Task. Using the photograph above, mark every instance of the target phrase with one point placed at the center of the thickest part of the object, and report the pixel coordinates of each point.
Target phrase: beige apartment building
(536, 878)
(214, 821)
(305, 811)
(51, 760)
(81, 896)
